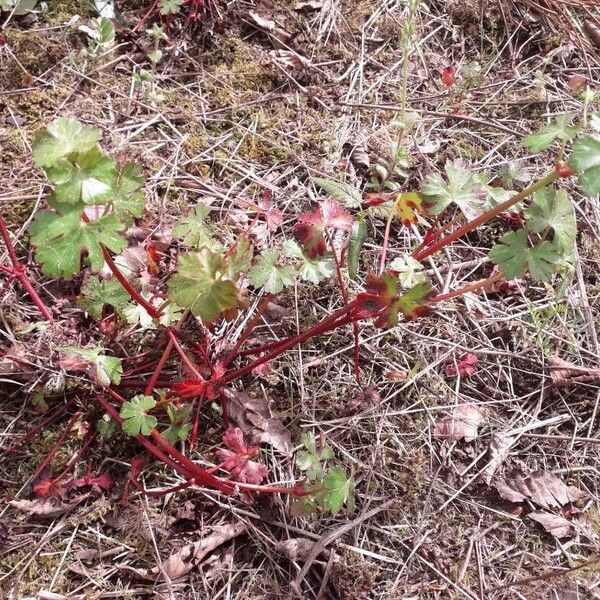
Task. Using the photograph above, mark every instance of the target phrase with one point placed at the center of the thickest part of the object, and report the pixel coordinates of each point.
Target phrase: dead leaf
(541, 488)
(463, 423)
(309, 5)
(289, 60)
(262, 22)
(189, 557)
(295, 549)
(46, 507)
(565, 373)
(555, 525)
(500, 445)
(253, 417)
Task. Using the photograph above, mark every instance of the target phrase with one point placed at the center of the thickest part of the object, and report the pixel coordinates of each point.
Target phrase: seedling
(95, 199)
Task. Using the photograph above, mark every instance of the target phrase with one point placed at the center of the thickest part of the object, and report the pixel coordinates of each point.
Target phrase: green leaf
(20, 7)
(239, 261)
(88, 179)
(135, 314)
(108, 369)
(345, 193)
(201, 285)
(170, 7)
(266, 273)
(311, 460)
(195, 233)
(515, 256)
(60, 239)
(557, 129)
(98, 293)
(179, 429)
(339, 490)
(62, 138)
(358, 234)
(463, 188)
(410, 271)
(105, 426)
(585, 159)
(135, 418)
(552, 209)
(125, 195)
(313, 270)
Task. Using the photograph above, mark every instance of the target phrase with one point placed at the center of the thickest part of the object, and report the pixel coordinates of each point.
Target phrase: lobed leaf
(313, 270)
(345, 193)
(61, 237)
(98, 293)
(585, 159)
(552, 209)
(195, 233)
(135, 419)
(268, 275)
(201, 285)
(515, 256)
(407, 206)
(62, 138)
(462, 187)
(557, 129)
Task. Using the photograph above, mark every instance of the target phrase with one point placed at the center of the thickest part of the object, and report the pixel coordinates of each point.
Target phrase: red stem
(135, 295)
(18, 271)
(158, 370)
(319, 329)
(485, 217)
(247, 330)
(185, 466)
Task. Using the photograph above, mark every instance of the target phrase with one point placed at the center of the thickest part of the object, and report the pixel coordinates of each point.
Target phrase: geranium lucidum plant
(95, 199)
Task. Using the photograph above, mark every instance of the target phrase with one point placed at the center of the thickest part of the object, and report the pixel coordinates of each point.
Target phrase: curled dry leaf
(500, 445)
(309, 5)
(465, 367)
(564, 373)
(189, 557)
(46, 507)
(463, 423)
(541, 488)
(288, 59)
(296, 549)
(253, 417)
(237, 457)
(555, 525)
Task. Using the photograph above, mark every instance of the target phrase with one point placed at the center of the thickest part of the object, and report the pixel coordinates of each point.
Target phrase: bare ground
(234, 119)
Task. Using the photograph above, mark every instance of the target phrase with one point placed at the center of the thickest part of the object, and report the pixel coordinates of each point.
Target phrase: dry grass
(233, 122)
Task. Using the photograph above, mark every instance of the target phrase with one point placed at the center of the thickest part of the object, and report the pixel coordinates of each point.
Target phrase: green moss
(60, 11)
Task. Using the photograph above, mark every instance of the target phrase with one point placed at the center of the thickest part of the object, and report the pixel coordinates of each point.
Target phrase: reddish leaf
(407, 206)
(190, 388)
(311, 226)
(97, 482)
(466, 366)
(137, 465)
(384, 300)
(377, 199)
(237, 461)
(48, 488)
(448, 76)
(267, 209)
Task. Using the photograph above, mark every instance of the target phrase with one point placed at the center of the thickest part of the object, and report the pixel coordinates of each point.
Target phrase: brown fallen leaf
(541, 488)
(593, 32)
(47, 507)
(309, 5)
(565, 373)
(296, 549)
(289, 60)
(189, 557)
(555, 525)
(463, 423)
(500, 446)
(253, 417)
